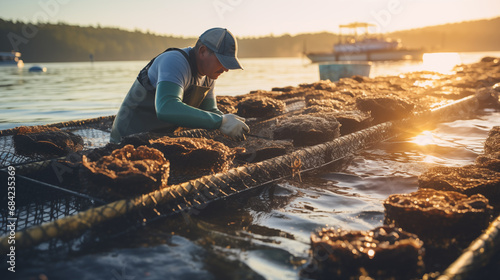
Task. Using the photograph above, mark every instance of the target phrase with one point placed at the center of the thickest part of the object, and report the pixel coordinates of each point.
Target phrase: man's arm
(170, 108)
(210, 104)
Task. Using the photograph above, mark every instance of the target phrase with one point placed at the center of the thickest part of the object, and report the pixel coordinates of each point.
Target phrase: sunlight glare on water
(424, 138)
(441, 62)
(453, 143)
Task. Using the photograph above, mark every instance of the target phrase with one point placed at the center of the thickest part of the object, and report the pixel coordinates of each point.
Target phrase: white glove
(233, 126)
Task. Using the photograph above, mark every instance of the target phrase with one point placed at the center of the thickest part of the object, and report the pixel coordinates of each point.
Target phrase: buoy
(37, 69)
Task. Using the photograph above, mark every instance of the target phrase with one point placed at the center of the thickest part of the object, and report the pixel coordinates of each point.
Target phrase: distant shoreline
(68, 43)
(269, 57)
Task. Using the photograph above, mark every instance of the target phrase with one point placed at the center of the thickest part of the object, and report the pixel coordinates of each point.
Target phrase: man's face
(209, 64)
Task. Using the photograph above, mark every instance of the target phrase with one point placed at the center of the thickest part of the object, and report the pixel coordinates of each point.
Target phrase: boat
(11, 59)
(334, 71)
(365, 47)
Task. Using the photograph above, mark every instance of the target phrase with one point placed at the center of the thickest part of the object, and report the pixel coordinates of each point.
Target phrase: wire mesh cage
(50, 187)
(37, 203)
(94, 132)
(57, 204)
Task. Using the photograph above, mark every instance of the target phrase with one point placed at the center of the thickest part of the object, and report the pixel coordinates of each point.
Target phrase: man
(176, 89)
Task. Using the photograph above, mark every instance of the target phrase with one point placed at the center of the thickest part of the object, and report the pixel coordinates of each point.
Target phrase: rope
(194, 193)
(476, 255)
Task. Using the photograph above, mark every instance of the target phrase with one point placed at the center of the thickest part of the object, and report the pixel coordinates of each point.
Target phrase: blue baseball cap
(224, 45)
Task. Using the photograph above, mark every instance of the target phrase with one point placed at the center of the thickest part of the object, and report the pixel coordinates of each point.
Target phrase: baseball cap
(224, 45)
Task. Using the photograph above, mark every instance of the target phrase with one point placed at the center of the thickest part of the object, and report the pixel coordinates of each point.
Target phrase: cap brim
(229, 62)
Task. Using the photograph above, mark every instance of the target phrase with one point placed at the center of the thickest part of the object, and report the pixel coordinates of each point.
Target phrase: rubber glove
(234, 126)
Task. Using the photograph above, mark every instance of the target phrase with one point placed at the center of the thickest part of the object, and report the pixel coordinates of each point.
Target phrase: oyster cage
(37, 202)
(49, 188)
(50, 206)
(95, 133)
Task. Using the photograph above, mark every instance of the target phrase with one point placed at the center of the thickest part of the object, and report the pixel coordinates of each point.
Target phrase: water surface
(260, 234)
(80, 90)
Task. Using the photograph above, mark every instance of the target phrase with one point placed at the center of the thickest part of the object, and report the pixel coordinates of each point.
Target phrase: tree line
(60, 42)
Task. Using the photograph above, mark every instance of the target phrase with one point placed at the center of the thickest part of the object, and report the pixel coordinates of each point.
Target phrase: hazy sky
(249, 17)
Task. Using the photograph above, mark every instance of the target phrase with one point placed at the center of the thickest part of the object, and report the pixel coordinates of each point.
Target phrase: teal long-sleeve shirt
(170, 108)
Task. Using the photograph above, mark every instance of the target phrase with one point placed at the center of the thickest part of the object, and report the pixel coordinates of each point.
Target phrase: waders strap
(143, 74)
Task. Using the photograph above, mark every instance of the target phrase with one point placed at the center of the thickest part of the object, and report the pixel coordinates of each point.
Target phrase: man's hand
(234, 126)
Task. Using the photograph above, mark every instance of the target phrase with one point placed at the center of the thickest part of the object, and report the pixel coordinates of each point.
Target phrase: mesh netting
(48, 205)
(477, 255)
(63, 210)
(95, 134)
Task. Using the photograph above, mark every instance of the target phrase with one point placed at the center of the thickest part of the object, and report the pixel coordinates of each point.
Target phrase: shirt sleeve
(170, 108)
(172, 67)
(210, 105)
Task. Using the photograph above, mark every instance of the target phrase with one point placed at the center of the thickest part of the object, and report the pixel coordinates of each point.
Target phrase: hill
(480, 35)
(62, 42)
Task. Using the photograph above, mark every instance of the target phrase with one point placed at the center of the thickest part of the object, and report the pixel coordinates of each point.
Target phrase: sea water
(80, 90)
(261, 234)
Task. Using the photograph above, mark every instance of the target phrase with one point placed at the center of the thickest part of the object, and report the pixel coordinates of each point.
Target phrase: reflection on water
(441, 62)
(424, 138)
(435, 62)
(264, 233)
(438, 62)
(452, 144)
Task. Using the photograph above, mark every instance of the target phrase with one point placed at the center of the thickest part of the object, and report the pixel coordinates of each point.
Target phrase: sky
(249, 18)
